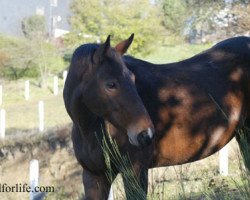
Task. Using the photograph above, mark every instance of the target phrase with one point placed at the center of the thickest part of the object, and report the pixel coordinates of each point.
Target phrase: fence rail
(2, 123)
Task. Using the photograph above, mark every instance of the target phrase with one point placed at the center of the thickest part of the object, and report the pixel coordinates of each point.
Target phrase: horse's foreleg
(243, 139)
(136, 188)
(96, 187)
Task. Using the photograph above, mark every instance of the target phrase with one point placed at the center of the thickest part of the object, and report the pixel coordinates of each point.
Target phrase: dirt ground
(57, 164)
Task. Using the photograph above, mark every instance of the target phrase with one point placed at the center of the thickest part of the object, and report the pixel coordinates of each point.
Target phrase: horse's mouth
(143, 139)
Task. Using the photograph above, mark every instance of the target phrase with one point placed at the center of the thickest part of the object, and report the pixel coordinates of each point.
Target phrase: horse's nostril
(144, 138)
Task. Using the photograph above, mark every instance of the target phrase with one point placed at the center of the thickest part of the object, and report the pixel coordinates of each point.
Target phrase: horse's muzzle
(145, 138)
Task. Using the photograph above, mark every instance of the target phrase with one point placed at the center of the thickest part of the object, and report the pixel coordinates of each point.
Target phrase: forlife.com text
(19, 187)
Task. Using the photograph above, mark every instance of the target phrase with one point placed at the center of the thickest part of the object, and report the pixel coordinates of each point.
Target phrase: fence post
(41, 115)
(34, 177)
(55, 85)
(223, 161)
(2, 123)
(111, 194)
(27, 90)
(65, 73)
(1, 95)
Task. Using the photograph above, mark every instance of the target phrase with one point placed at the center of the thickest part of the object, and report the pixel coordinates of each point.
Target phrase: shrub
(20, 57)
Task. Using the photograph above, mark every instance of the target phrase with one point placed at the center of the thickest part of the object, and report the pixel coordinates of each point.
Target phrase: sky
(12, 13)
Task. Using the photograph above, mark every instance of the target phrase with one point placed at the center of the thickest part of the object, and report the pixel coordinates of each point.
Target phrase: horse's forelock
(85, 52)
(82, 59)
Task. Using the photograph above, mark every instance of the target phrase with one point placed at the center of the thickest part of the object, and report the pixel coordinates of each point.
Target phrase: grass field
(166, 54)
(22, 115)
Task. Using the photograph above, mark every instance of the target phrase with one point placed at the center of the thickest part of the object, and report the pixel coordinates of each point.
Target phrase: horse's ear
(101, 51)
(123, 46)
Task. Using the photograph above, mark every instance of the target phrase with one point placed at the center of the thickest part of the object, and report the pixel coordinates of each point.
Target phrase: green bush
(34, 27)
(20, 57)
(95, 20)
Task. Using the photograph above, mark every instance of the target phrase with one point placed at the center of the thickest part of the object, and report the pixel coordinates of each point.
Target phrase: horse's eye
(111, 85)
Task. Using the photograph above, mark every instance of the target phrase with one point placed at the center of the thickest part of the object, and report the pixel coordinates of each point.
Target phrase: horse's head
(108, 90)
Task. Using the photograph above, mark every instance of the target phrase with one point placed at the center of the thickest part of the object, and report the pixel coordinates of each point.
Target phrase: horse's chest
(88, 152)
(92, 157)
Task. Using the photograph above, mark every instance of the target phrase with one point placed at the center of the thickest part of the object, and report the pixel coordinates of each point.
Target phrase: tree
(175, 15)
(20, 57)
(45, 57)
(219, 19)
(189, 17)
(34, 26)
(243, 18)
(93, 20)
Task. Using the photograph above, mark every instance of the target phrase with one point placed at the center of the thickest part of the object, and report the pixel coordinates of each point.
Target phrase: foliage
(243, 17)
(95, 20)
(189, 17)
(11, 50)
(202, 12)
(34, 26)
(175, 15)
(20, 57)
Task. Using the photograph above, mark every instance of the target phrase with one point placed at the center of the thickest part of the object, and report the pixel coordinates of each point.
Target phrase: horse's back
(239, 43)
(196, 104)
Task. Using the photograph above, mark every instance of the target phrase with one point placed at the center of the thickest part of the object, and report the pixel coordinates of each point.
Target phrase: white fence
(223, 161)
(41, 115)
(111, 194)
(41, 123)
(65, 74)
(1, 95)
(55, 85)
(27, 90)
(2, 123)
(34, 177)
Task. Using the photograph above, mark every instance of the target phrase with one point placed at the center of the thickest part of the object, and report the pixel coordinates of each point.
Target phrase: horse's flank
(197, 104)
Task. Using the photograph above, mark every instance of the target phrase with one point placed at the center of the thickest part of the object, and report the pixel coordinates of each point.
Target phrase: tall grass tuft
(113, 157)
(243, 187)
(244, 143)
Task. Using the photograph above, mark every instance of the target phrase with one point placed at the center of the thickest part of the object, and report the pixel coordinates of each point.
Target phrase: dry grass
(197, 180)
(22, 115)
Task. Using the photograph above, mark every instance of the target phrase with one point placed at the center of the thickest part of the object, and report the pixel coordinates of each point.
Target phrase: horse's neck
(90, 124)
(86, 117)
(142, 67)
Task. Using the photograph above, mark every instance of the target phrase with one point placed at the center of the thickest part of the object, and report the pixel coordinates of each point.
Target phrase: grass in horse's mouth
(113, 156)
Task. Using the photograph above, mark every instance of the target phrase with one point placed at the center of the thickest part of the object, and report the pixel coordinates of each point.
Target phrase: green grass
(167, 54)
(23, 115)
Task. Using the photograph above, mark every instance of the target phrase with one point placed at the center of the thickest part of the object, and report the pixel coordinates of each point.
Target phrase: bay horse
(160, 115)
